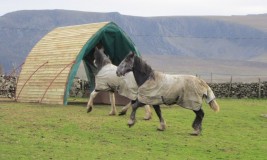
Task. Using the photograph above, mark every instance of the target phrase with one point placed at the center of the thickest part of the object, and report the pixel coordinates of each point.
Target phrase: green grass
(37, 131)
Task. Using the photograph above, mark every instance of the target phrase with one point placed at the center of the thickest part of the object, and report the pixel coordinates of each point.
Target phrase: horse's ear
(102, 49)
(131, 54)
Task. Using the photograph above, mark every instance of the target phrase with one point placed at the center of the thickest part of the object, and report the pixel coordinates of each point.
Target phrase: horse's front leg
(125, 108)
(135, 106)
(113, 110)
(90, 101)
(147, 116)
(162, 126)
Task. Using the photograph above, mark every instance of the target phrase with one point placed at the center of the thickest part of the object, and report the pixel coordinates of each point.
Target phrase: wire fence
(224, 78)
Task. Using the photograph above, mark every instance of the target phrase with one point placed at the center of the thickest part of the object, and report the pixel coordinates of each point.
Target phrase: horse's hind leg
(112, 102)
(90, 101)
(162, 126)
(197, 124)
(148, 112)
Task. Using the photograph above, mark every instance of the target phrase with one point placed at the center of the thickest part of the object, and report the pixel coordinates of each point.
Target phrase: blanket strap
(112, 89)
(174, 102)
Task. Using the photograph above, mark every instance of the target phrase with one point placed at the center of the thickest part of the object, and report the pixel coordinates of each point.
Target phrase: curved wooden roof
(44, 77)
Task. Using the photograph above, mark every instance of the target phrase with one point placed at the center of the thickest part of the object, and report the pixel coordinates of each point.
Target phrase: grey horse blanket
(185, 90)
(106, 79)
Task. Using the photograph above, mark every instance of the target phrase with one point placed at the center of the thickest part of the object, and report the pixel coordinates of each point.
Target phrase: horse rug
(107, 80)
(185, 90)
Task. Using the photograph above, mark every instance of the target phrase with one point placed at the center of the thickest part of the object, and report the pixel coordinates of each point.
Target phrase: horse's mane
(101, 59)
(143, 67)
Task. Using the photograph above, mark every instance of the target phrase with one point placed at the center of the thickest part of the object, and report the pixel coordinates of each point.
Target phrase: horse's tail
(214, 105)
(211, 100)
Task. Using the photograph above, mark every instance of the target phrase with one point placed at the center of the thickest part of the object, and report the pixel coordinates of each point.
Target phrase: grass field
(37, 131)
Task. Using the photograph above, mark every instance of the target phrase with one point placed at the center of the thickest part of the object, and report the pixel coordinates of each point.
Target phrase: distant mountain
(242, 38)
(256, 21)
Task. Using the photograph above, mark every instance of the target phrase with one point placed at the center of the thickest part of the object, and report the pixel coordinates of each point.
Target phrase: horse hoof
(131, 123)
(122, 113)
(160, 129)
(112, 114)
(147, 118)
(195, 133)
(89, 109)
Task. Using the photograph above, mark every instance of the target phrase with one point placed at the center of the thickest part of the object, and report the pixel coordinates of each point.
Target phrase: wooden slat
(60, 48)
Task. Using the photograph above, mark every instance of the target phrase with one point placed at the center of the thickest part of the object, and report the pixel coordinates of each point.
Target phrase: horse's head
(126, 65)
(100, 58)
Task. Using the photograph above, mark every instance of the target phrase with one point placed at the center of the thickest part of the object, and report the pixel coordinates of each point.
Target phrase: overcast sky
(143, 7)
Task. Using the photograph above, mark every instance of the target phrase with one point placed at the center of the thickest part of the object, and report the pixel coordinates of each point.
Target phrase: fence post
(259, 95)
(82, 86)
(230, 86)
(211, 77)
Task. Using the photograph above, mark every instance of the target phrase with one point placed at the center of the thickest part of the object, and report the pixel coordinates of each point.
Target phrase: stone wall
(7, 86)
(240, 90)
(221, 90)
(80, 88)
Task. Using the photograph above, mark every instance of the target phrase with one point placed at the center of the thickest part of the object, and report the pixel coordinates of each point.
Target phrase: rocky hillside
(240, 38)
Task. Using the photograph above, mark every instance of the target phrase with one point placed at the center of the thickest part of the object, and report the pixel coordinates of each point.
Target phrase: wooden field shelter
(50, 67)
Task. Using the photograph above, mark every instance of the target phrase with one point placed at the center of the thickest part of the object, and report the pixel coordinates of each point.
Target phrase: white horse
(107, 80)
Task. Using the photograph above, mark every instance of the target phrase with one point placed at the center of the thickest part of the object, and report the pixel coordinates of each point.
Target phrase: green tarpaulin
(116, 43)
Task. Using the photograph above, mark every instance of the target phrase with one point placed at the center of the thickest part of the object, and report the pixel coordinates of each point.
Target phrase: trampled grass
(37, 131)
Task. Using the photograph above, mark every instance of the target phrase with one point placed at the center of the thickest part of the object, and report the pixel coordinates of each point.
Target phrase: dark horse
(157, 88)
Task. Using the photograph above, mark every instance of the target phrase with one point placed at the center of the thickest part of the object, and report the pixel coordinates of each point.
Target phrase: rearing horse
(107, 80)
(157, 88)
